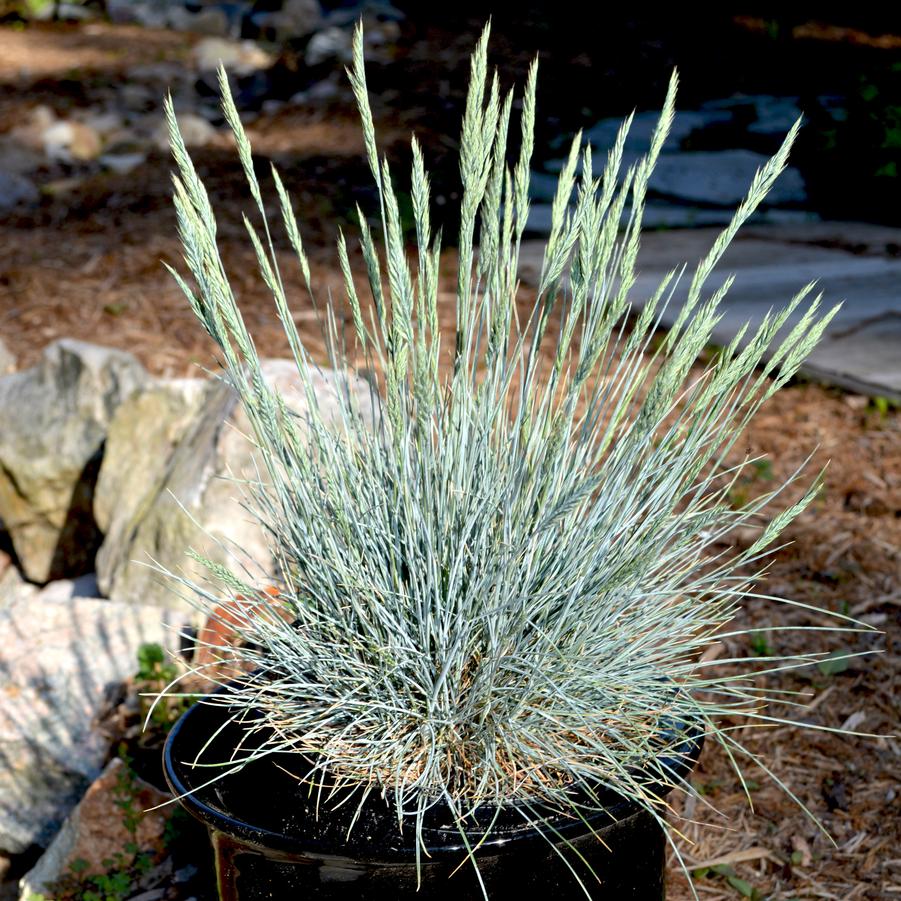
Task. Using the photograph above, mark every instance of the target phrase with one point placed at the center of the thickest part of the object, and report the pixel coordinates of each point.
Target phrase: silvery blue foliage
(507, 585)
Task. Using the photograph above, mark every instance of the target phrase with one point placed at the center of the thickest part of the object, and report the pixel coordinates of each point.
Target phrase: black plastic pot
(269, 842)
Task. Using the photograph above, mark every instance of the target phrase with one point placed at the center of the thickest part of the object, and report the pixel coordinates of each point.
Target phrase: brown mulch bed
(845, 557)
(86, 264)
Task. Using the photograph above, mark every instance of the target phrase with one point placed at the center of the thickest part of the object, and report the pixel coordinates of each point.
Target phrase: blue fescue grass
(504, 585)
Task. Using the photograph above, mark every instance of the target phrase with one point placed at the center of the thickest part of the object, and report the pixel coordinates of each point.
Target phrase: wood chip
(738, 857)
(893, 599)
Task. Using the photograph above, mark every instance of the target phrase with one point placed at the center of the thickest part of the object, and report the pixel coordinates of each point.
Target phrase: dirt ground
(87, 264)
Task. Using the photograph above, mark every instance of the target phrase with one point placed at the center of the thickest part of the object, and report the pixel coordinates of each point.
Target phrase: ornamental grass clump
(497, 579)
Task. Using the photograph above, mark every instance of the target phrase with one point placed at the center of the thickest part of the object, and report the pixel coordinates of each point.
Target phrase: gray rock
(16, 190)
(195, 131)
(295, 19)
(108, 123)
(238, 57)
(13, 588)
(164, 72)
(55, 418)
(20, 156)
(136, 97)
(861, 348)
(865, 357)
(662, 215)
(350, 12)
(381, 33)
(58, 661)
(134, 474)
(658, 214)
(123, 161)
(180, 491)
(539, 221)
(74, 12)
(71, 141)
(721, 178)
(210, 21)
(139, 12)
(858, 238)
(603, 135)
(65, 589)
(771, 116)
(775, 115)
(320, 92)
(330, 43)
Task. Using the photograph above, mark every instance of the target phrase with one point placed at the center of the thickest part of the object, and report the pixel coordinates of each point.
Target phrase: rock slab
(13, 588)
(852, 264)
(55, 416)
(179, 487)
(134, 476)
(58, 661)
(721, 178)
(96, 830)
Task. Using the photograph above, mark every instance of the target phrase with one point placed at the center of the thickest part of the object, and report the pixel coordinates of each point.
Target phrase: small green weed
(760, 645)
(706, 789)
(834, 664)
(882, 406)
(728, 875)
(154, 674)
(745, 486)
